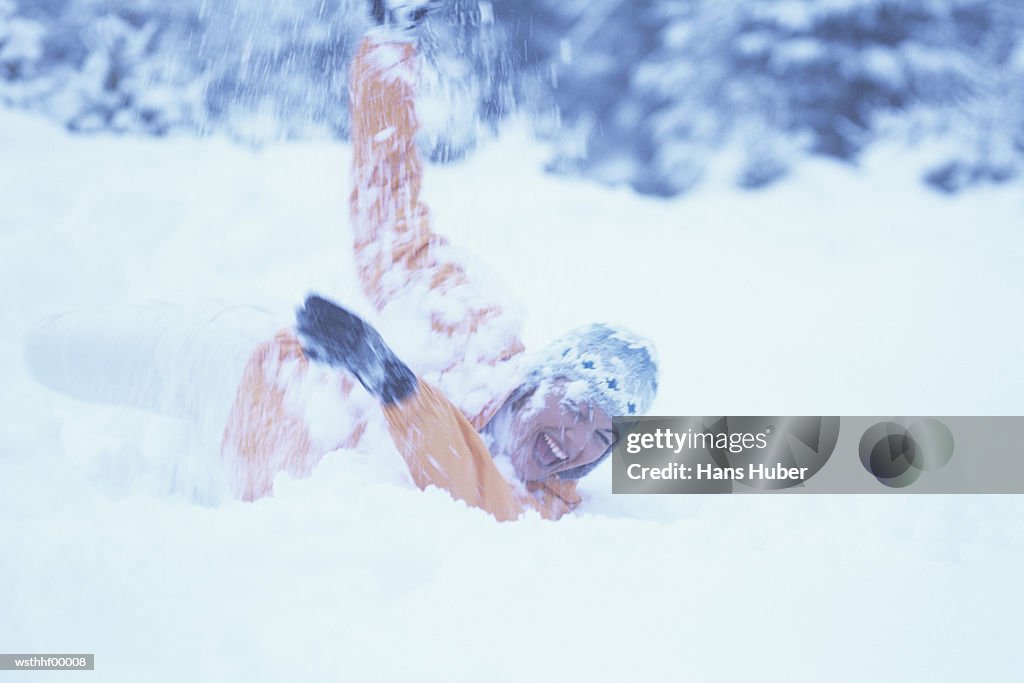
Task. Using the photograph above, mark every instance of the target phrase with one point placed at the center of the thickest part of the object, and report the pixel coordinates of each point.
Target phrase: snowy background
(848, 284)
(642, 92)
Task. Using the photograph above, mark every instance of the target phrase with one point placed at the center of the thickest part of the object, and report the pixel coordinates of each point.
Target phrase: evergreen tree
(639, 91)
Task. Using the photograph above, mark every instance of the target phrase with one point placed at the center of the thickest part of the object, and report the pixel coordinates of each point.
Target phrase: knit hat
(617, 369)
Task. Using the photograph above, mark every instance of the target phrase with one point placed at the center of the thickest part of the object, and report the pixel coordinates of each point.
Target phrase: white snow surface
(840, 291)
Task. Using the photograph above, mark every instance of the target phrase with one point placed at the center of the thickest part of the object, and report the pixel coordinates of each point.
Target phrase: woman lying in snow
(280, 404)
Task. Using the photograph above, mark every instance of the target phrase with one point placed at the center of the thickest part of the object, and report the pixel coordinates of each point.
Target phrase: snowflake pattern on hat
(615, 370)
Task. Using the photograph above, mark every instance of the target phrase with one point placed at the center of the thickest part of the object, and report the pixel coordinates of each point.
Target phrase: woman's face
(547, 432)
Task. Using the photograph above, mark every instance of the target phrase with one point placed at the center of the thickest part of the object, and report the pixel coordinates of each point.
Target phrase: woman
(281, 401)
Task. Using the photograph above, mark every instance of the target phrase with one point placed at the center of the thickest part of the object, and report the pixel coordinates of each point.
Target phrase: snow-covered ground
(840, 291)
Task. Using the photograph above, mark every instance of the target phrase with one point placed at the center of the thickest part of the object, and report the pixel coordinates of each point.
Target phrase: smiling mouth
(548, 452)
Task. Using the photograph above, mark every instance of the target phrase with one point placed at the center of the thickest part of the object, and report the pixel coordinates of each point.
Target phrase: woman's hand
(333, 336)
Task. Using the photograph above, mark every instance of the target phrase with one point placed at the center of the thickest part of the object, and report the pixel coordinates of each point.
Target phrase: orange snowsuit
(398, 258)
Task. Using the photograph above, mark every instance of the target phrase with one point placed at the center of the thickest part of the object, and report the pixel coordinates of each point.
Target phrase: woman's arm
(437, 442)
(397, 254)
